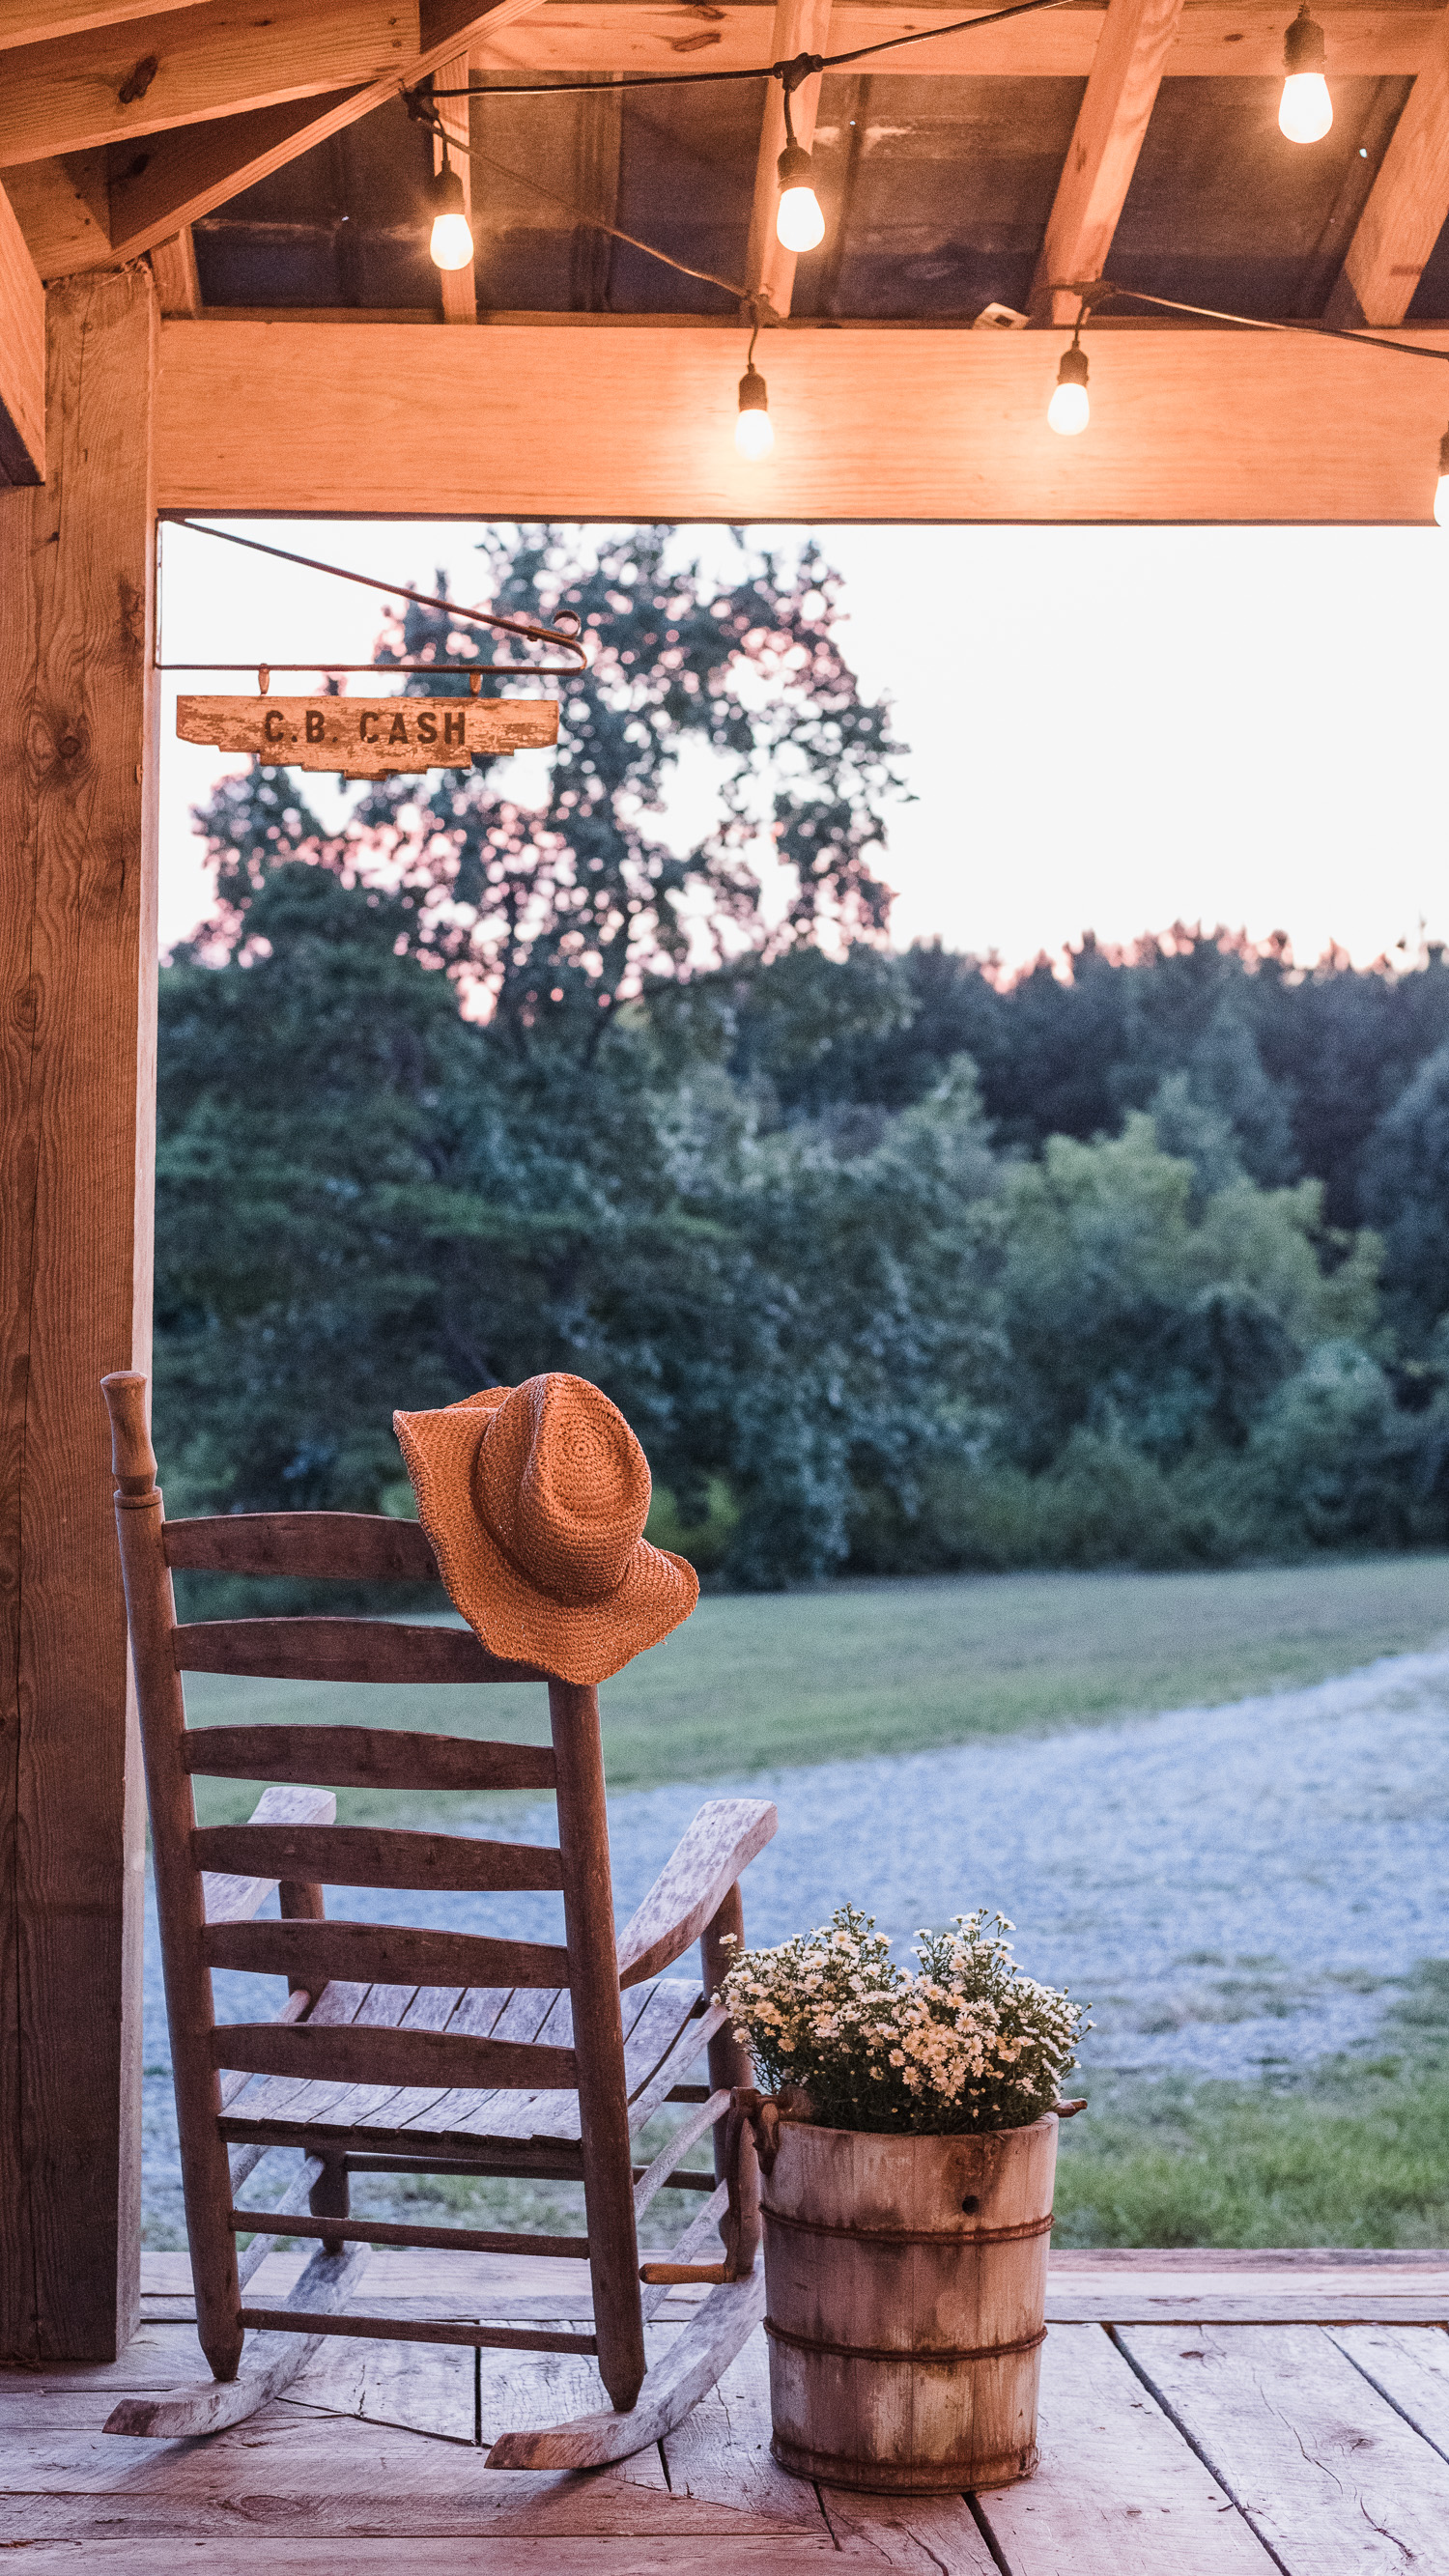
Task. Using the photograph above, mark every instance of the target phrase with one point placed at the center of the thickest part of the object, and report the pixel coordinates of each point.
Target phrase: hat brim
(584, 1642)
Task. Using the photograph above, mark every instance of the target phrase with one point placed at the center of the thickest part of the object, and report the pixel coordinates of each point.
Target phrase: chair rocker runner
(406, 2050)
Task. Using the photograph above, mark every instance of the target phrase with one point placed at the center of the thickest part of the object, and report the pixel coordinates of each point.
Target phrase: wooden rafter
(185, 174)
(1407, 204)
(800, 27)
(459, 285)
(22, 357)
(80, 91)
(1186, 424)
(1132, 52)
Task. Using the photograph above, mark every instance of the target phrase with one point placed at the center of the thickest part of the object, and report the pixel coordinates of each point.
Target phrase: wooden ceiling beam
(1186, 425)
(78, 92)
(1217, 40)
(179, 176)
(22, 357)
(799, 27)
(1407, 205)
(1132, 54)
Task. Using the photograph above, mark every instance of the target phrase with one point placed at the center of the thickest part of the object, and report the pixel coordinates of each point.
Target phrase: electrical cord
(801, 67)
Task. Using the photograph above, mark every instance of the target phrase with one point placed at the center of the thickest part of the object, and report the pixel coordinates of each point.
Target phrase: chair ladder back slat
(340, 1650)
(180, 1898)
(365, 1757)
(381, 1954)
(376, 1856)
(348, 1547)
(598, 2037)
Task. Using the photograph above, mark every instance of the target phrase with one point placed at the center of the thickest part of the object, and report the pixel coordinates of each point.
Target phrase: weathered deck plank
(1118, 2492)
(1333, 2480)
(1182, 2449)
(1409, 2368)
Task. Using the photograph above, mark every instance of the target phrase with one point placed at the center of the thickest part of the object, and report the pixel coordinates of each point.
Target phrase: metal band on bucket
(879, 2352)
(915, 2235)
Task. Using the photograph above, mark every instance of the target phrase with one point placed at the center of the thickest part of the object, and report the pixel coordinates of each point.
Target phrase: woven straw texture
(534, 1499)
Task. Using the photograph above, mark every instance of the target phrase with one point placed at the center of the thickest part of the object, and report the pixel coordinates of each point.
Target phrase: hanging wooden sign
(369, 737)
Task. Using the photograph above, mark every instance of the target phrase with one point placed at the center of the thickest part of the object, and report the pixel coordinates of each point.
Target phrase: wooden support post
(801, 27)
(178, 287)
(459, 285)
(77, 1082)
(22, 357)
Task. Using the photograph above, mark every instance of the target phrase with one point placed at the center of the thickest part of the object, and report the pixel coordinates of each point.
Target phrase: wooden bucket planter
(905, 2288)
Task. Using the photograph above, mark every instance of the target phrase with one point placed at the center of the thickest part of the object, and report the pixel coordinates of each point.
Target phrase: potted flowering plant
(908, 2148)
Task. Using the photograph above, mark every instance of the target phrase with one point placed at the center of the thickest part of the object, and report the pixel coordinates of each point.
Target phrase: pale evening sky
(1108, 728)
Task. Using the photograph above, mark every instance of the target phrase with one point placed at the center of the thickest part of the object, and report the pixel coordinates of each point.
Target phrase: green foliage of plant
(967, 2041)
(1352, 2152)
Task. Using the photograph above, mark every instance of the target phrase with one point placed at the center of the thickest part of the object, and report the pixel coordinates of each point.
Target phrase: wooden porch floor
(1200, 2413)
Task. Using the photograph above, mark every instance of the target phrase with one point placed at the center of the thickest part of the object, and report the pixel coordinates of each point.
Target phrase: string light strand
(811, 63)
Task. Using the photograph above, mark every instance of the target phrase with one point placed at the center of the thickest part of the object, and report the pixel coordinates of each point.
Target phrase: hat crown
(563, 1485)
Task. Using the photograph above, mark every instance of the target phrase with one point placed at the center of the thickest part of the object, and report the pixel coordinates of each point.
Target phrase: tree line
(894, 1262)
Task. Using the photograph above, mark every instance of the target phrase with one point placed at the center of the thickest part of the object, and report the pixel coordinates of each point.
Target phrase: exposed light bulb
(1441, 490)
(451, 242)
(799, 223)
(754, 430)
(1305, 110)
(1069, 410)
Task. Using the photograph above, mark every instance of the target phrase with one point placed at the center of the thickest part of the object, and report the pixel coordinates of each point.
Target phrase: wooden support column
(22, 357)
(178, 287)
(801, 27)
(77, 1088)
(1121, 93)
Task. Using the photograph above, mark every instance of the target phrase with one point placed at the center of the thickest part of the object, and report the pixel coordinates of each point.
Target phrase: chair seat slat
(356, 1547)
(364, 1757)
(340, 1650)
(376, 1856)
(357, 2055)
(394, 1954)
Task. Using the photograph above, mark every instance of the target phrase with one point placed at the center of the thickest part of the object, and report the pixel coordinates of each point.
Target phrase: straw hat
(534, 1498)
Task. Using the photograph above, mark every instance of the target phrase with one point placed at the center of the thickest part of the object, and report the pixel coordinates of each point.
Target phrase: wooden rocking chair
(403, 2050)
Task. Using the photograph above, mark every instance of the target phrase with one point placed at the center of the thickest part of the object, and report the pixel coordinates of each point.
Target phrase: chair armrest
(692, 1886)
(230, 1899)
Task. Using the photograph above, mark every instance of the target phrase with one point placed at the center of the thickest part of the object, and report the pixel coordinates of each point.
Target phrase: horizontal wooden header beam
(870, 424)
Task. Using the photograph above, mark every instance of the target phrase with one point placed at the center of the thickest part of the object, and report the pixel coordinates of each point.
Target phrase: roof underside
(936, 194)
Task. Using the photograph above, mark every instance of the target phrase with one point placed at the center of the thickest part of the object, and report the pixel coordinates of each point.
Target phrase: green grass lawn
(891, 1667)
(1352, 2152)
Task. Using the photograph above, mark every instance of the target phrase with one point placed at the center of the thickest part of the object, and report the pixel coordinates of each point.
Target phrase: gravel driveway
(1231, 1888)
